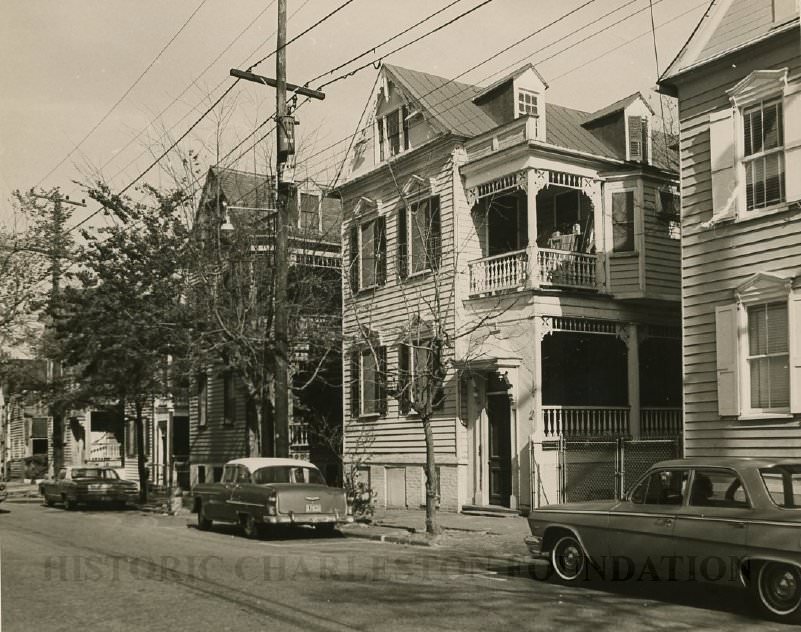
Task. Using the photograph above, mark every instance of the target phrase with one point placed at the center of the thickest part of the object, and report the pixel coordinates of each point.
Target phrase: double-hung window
(763, 154)
(419, 376)
(392, 131)
(368, 368)
(367, 248)
(202, 399)
(229, 397)
(758, 350)
(755, 147)
(768, 357)
(419, 238)
(623, 221)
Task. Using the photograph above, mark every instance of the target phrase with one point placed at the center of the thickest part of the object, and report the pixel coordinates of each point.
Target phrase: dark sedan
(87, 485)
(732, 520)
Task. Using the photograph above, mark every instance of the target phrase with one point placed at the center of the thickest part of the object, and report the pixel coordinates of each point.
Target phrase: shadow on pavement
(276, 533)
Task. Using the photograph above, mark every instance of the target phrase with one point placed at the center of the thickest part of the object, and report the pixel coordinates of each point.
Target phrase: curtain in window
(623, 221)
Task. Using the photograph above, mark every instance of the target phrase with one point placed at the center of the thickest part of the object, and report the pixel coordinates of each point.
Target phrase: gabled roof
(617, 106)
(239, 188)
(450, 103)
(725, 26)
(450, 106)
(510, 77)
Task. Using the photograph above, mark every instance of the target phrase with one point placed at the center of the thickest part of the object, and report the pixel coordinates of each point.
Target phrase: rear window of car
(287, 474)
(94, 472)
(783, 483)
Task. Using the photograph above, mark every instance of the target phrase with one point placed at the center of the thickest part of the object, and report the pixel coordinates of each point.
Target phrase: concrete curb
(405, 538)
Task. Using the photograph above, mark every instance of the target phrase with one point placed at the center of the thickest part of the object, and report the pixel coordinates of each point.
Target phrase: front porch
(536, 229)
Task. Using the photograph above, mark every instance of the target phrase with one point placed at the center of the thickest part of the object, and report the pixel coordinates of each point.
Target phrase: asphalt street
(111, 570)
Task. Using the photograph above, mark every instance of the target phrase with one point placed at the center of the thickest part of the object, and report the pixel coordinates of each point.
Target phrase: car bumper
(307, 519)
(534, 546)
(105, 497)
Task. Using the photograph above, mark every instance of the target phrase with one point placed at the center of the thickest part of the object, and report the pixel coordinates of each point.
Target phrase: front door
(499, 463)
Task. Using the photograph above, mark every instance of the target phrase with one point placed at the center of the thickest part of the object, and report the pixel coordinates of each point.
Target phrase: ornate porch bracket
(623, 333)
(591, 187)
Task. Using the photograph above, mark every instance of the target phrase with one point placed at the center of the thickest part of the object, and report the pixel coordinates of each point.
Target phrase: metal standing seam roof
(726, 25)
(450, 104)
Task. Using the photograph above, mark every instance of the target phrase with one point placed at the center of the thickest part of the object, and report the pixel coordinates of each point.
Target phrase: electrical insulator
(286, 136)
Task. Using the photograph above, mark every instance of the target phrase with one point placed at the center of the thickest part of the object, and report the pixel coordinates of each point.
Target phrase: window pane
(779, 379)
(777, 328)
(666, 487)
(760, 397)
(367, 254)
(749, 145)
(759, 182)
(749, 185)
(757, 330)
(774, 178)
(771, 123)
(717, 488)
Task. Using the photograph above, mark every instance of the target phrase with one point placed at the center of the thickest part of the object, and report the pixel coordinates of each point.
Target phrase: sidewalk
(482, 534)
(19, 491)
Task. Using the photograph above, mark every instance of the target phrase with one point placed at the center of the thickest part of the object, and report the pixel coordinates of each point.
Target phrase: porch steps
(493, 511)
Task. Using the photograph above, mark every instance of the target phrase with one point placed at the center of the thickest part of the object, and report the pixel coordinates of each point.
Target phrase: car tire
(69, 504)
(203, 523)
(778, 588)
(250, 527)
(49, 501)
(568, 558)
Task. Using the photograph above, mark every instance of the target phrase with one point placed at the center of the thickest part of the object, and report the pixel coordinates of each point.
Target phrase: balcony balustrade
(660, 422)
(585, 421)
(554, 268)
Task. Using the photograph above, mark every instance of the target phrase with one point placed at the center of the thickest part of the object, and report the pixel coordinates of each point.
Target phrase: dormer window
(526, 103)
(393, 133)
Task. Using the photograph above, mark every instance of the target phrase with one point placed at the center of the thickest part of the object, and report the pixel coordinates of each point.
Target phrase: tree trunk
(141, 457)
(432, 497)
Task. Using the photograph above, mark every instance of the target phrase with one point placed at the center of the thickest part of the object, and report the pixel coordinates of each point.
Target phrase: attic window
(526, 103)
(393, 133)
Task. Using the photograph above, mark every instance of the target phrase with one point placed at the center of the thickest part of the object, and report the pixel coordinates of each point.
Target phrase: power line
(207, 111)
(125, 94)
(191, 84)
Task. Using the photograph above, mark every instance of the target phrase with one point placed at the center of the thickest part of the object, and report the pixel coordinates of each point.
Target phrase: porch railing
(585, 421)
(660, 422)
(299, 440)
(566, 269)
(106, 448)
(506, 271)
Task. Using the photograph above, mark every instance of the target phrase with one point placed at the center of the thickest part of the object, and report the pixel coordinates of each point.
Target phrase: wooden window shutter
(403, 246)
(380, 250)
(792, 142)
(644, 133)
(404, 112)
(635, 138)
(353, 259)
(439, 395)
(381, 378)
(721, 155)
(404, 399)
(355, 383)
(727, 345)
(794, 320)
(434, 245)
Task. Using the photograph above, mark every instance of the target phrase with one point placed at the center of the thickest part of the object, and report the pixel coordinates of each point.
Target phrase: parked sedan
(87, 485)
(255, 492)
(733, 520)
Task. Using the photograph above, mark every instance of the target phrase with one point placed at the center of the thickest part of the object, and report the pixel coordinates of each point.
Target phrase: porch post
(535, 179)
(592, 189)
(632, 340)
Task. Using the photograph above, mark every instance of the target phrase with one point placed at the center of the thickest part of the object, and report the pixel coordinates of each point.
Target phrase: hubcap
(568, 559)
(780, 588)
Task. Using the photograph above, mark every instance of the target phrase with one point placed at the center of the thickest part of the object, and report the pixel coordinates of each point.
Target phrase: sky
(148, 69)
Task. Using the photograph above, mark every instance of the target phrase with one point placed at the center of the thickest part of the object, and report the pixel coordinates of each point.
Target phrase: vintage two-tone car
(256, 492)
(733, 520)
(87, 484)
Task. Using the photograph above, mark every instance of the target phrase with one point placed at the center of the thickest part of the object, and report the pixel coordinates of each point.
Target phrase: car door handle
(664, 522)
(738, 525)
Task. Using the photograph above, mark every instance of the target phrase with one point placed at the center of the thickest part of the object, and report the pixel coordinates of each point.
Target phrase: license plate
(313, 508)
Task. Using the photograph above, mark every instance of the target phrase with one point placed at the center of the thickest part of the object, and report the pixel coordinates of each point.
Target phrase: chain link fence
(599, 469)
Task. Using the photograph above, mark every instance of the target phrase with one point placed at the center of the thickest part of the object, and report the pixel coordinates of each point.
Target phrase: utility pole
(58, 252)
(285, 147)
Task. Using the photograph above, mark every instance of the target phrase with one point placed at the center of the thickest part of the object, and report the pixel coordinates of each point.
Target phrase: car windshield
(94, 472)
(783, 483)
(287, 474)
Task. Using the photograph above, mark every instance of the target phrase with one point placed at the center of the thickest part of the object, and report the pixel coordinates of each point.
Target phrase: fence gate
(604, 468)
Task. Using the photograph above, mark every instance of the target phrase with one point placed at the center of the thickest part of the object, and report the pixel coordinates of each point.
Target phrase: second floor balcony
(532, 268)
